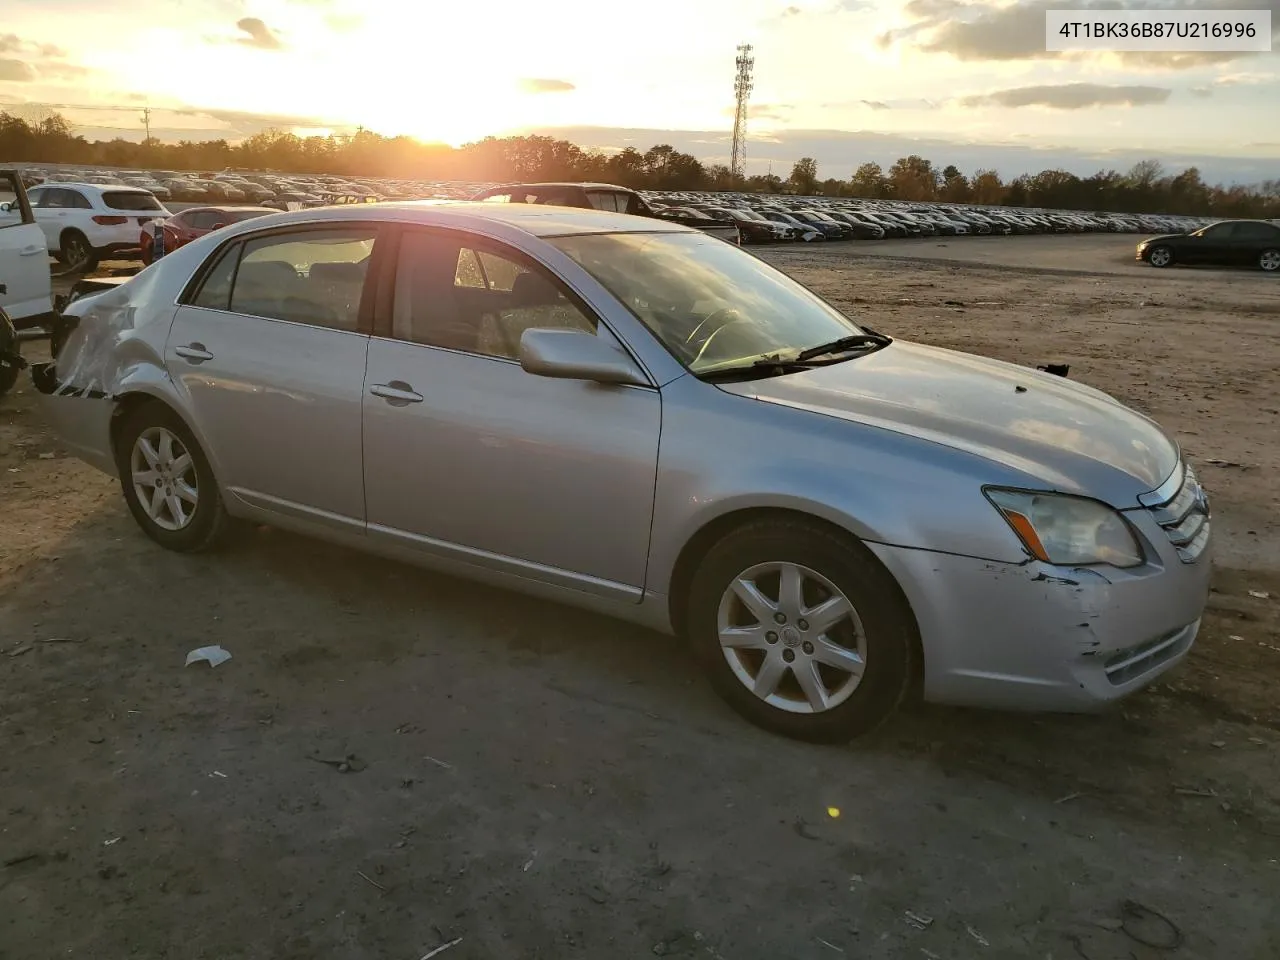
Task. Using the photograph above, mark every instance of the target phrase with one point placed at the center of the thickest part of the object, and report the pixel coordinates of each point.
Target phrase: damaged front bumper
(1031, 636)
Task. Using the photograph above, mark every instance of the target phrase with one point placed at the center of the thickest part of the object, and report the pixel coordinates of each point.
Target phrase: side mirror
(576, 355)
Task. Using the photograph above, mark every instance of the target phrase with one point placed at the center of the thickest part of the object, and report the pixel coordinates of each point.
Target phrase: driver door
(1212, 245)
(469, 457)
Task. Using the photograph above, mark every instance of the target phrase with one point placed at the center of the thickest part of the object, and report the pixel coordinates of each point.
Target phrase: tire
(1269, 261)
(207, 520)
(76, 253)
(881, 631)
(8, 377)
(1160, 256)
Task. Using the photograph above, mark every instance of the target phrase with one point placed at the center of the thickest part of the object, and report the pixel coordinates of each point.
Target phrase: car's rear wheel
(801, 630)
(167, 481)
(1269, 260)
(75, 252)
(1160, 256)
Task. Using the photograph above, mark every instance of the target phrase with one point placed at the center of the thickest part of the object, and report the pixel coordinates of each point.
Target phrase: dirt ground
(531, 781)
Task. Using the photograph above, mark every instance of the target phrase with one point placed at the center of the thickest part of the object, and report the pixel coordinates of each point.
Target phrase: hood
(1058, 433)
(1166, 236)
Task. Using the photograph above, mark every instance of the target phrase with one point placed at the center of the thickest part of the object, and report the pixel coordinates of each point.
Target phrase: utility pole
(742, 84)
(146, 120)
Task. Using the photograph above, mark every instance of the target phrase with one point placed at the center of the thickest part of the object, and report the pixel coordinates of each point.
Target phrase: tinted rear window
(127, 200)
(235, 216)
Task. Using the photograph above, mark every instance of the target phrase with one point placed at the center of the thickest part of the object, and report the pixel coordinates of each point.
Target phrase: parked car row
(823, 218)
(281, 191)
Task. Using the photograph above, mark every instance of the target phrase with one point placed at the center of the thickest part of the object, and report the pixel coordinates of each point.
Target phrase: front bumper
(1032, 636)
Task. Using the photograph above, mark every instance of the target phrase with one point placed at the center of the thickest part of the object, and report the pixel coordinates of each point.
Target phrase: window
(675, 283)
(215, 291)
(451, 295)
(11, 210)
(1219, 231)
(604, 200)
(1256, 231)
(76, 200)
(314, 277)
(53, 198)
(202, 219)
(129, 200)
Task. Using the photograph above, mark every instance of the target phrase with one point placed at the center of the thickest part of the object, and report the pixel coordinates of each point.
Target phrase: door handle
(193, 353)
(31, 251)
(397, 393)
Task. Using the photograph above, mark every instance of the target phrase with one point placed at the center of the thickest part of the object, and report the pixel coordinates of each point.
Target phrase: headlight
(1067, 531)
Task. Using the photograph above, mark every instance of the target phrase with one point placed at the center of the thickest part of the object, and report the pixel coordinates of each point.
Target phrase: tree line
(1145, 188)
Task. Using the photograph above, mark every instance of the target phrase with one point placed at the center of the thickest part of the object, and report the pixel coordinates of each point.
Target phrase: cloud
(12, 43)
(545, 85)
(257, 34)
(766, 111)
(16, 71)
(875, 104)
(1071, 96)
(55, 68)
(1201, 92)
(981, 30)
(833, 7)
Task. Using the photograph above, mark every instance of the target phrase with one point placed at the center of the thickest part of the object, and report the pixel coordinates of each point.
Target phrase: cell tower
(742, 85)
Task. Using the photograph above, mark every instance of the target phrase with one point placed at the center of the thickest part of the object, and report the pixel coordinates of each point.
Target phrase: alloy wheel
(792, 637)
(1270, 260)
(164, 478)
(1161, 256)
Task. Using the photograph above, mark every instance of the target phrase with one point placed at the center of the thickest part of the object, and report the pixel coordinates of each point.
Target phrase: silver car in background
(632, 417)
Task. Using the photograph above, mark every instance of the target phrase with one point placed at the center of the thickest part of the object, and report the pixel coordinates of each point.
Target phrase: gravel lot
(539, 782)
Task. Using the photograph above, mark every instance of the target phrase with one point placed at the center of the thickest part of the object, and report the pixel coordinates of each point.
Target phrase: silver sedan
(633, 417)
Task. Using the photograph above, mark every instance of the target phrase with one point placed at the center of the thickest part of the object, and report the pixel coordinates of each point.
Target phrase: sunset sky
(841, 80)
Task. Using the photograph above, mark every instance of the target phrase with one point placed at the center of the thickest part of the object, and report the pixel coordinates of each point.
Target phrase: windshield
(711, 303)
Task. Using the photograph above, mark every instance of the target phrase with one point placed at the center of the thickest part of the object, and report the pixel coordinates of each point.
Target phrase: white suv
(87, 222)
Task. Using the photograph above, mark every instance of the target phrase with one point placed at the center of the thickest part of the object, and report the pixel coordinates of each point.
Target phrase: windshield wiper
(844, 345)
(762, 367)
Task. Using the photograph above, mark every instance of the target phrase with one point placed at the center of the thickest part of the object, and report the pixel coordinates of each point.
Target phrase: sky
(844, 81)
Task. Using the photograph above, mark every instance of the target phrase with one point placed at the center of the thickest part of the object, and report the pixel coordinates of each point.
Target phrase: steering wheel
(727, 325)
(725, 312)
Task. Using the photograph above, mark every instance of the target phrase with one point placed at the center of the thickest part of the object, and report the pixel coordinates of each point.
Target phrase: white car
(25, 286)
(87, 222)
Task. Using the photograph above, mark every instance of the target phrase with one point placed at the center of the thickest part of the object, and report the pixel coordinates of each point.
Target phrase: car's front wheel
(167, 481)
(801, 630)
(1160, 256)
(1269, 260)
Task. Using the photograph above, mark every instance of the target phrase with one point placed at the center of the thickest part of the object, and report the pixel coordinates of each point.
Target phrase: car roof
(539, 220)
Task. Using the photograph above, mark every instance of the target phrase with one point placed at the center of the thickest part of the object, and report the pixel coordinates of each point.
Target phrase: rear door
(1252, 239)
(24, 260)
(269, 348)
